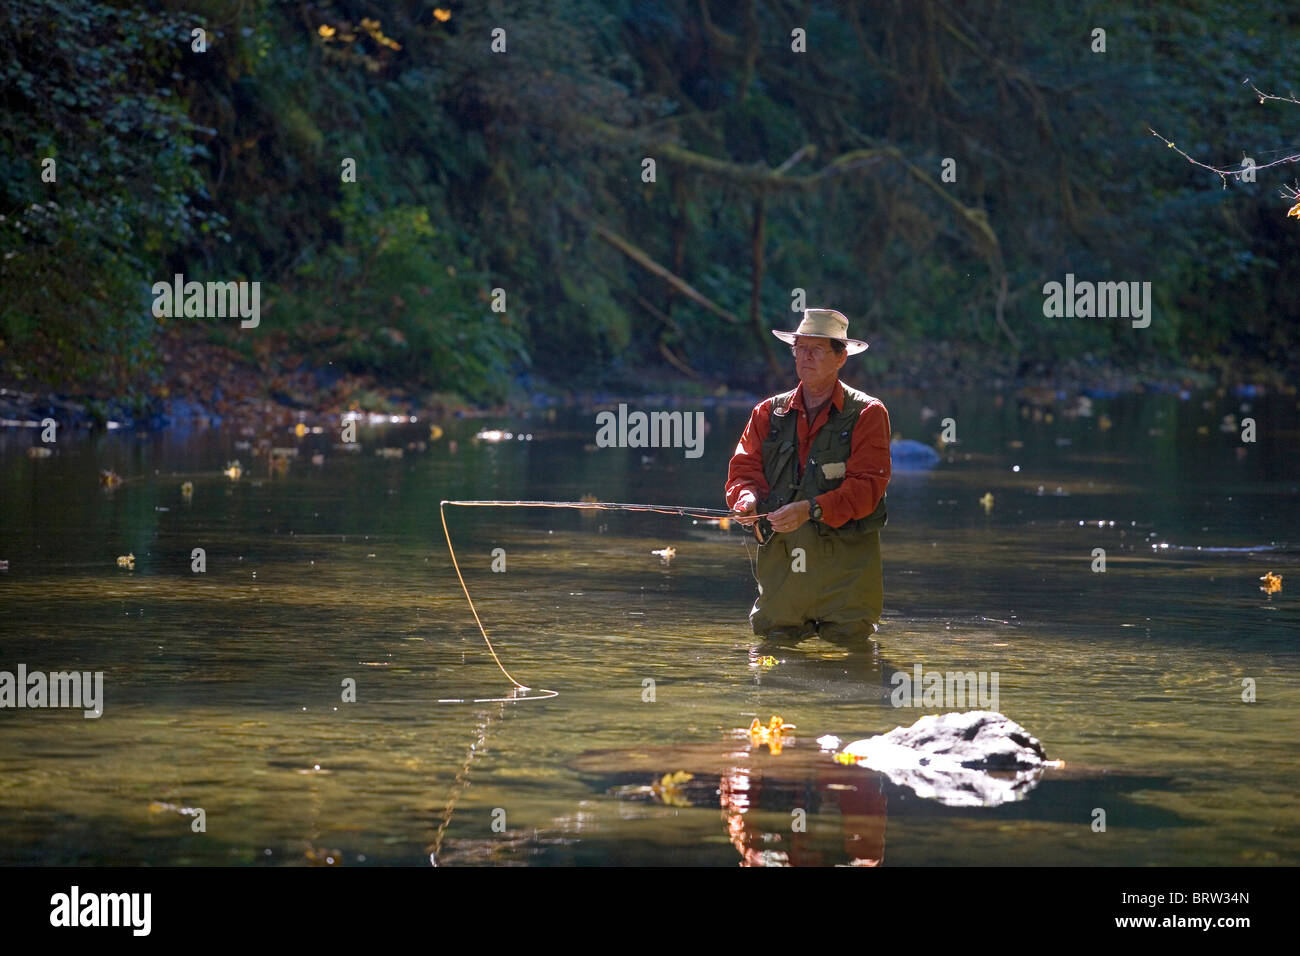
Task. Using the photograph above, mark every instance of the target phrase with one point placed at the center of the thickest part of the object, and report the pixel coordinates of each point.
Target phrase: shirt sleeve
(866, 472)
(745, 473)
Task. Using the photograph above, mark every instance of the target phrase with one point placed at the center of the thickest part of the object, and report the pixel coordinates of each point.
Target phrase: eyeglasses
(816, 351)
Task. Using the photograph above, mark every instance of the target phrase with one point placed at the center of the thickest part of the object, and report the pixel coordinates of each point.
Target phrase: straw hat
(824, 324)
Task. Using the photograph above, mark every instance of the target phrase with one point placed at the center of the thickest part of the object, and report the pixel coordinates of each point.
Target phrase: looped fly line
(680, 510)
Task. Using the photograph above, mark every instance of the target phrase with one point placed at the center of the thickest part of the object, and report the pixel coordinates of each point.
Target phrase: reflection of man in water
(861, 800)
(817, 458)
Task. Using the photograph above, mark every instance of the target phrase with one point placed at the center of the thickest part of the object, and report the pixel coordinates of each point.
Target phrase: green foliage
(478, 170)
(90, 86)
(397, 294)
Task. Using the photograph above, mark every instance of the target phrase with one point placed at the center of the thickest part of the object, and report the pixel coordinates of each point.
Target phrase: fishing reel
(762, 530)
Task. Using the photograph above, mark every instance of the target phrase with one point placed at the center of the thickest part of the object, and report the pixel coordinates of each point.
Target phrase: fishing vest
(831, 446)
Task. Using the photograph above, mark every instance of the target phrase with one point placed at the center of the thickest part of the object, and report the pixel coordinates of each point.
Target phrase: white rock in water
(953, 757)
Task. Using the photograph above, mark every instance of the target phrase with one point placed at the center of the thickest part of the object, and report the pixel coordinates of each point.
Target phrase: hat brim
(854, 346)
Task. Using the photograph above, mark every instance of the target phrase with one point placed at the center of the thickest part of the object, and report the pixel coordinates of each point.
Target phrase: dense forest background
(523, 171)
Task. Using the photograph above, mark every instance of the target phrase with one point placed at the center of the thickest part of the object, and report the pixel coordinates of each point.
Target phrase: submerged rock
(908, 455)
(977, 758)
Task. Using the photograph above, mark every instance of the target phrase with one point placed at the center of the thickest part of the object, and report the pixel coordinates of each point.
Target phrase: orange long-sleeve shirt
(866, 473)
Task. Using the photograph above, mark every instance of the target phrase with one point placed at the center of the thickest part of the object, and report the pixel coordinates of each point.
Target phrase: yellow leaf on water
(769, 736)
(1294, 211)
(1272, 583)
(442, 16)
(668, 788)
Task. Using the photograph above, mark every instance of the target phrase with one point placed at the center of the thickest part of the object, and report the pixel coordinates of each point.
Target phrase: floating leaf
(1272, 583)
(770, 735)
(669, 788)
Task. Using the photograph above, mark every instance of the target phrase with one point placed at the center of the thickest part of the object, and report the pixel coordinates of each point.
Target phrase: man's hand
(745, 505)
(792, 516)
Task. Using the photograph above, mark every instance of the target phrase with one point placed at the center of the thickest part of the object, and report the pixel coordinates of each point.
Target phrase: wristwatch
(815, 512)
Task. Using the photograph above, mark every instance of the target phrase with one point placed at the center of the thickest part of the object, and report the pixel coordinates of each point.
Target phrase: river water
(227, 691)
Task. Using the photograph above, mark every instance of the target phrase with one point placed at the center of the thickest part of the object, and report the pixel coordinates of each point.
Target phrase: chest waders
(834, 585)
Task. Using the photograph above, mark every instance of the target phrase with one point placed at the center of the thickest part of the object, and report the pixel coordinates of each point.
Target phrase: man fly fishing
(816, 461)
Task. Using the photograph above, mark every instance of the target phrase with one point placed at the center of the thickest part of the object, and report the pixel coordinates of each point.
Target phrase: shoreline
(282, 394)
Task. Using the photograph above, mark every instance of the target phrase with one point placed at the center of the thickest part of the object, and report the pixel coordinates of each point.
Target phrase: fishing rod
(679, 510)
(685, 510)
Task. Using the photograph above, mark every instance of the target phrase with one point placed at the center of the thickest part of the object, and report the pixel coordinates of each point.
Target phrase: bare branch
(806, 150)
(1223, 173)
(638, 256)
(1269, 96)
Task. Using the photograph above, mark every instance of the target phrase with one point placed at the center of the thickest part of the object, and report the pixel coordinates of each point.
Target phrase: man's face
(816, 362)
